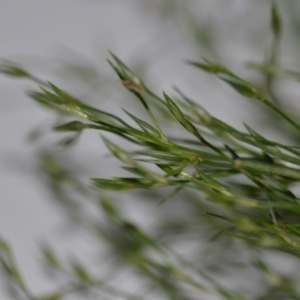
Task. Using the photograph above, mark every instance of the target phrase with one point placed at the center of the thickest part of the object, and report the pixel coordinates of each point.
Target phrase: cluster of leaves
(262, 212)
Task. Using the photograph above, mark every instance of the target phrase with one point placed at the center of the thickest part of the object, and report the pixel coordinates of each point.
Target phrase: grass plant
(232, 185)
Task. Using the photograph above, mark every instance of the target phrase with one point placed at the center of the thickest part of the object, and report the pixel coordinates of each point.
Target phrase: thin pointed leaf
(275, 20)
(147, 128)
